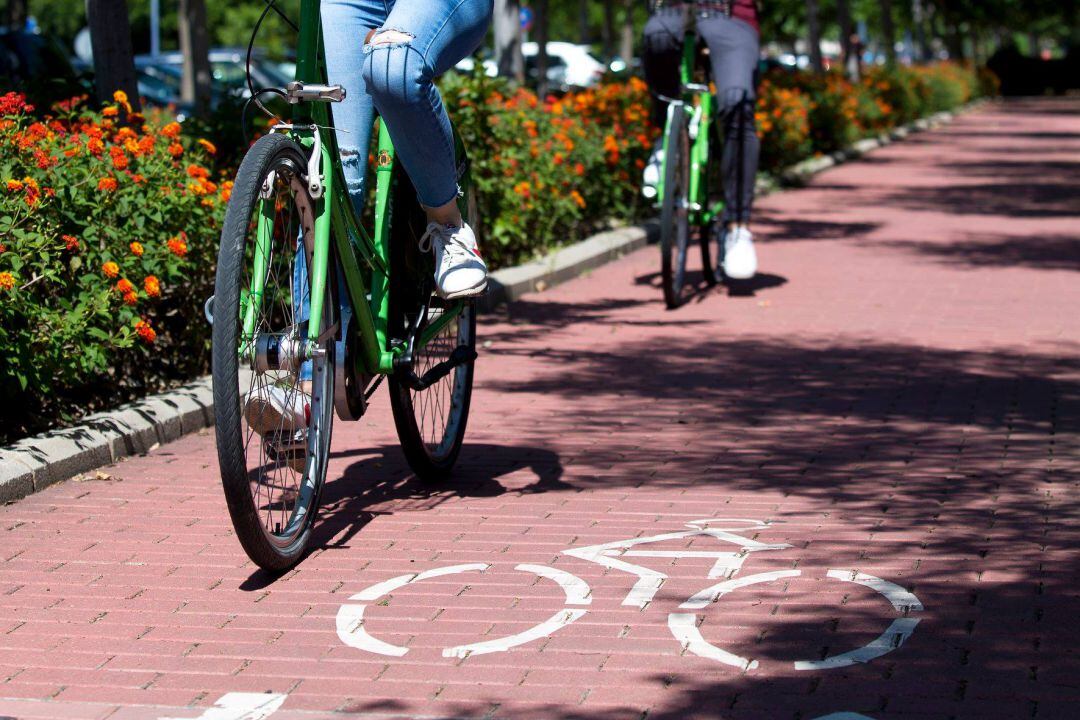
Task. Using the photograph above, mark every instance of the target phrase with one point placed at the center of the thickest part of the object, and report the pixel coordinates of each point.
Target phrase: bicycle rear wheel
(675, 210)
(430, 422)
(273, 424)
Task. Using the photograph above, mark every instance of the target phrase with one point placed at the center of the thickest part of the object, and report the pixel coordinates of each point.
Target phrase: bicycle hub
(279, 352)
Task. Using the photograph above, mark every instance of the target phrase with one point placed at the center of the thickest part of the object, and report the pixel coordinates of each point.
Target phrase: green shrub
(109, 226)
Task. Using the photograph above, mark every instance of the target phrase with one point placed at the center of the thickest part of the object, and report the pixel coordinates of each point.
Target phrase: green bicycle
(311, 312)
(683, 191)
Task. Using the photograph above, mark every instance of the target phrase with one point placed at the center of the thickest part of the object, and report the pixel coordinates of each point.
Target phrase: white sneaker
(740, 260)
(650, 180)
(459, 269)
(280, 417)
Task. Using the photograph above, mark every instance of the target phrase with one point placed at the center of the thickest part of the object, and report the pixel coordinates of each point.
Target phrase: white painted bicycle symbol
(684, 625)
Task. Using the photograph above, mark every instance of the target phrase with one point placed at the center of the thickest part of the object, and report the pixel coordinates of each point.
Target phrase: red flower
(70, 242)
(144, 331)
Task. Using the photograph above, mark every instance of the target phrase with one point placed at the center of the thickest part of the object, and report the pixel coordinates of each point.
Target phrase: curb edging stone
(32, 464)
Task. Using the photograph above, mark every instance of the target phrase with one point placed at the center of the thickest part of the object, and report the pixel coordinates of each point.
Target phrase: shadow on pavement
(1045, 252)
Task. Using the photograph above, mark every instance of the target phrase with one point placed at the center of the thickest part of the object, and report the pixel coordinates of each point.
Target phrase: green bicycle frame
(700, 106)
(364, 258)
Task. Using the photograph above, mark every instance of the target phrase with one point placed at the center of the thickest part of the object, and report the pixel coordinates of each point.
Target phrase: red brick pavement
(897, 393)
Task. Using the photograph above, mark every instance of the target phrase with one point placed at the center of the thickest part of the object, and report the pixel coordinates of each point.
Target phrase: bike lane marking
(649, 580)
(350, 617)
(684, 626)
(240, 706)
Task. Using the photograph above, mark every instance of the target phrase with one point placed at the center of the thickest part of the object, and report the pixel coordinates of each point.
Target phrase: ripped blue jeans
(397, 79)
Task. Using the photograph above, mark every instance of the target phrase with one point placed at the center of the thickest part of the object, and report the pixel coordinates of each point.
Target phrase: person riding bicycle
(730, 30)
(386, 54)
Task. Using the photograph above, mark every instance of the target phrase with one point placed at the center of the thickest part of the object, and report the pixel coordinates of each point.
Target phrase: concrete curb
(800, 173)
(34, 463)
(564, 264)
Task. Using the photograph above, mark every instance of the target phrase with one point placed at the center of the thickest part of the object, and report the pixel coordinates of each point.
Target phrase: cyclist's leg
(661, 56)
(733, 52)
(419, 40)
(345, 25)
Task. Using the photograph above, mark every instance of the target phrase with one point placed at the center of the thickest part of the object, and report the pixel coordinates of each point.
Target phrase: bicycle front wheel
(675, 210)
(274, 406)
(430, 422)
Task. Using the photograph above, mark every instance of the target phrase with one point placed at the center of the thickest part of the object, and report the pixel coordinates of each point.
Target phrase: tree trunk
(608, 30)
(114, 61)
(583, 22)
(626, 47)
(848, 39)
(888, 31)
(542, 26)
(195, 86)
(16, 14)
(813, 36)
(918, 20)
(507, 29)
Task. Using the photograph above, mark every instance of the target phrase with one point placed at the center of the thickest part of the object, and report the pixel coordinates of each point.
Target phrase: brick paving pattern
(897, 394)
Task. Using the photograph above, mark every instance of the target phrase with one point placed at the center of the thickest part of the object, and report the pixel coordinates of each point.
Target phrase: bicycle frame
(336, 225)
(698, 102)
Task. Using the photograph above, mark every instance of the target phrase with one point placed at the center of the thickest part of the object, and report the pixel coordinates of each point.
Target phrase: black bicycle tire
(225, 365)
(407, 224)
(672, 269)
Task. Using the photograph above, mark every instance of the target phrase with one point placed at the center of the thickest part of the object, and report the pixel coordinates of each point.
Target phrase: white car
(568, 64)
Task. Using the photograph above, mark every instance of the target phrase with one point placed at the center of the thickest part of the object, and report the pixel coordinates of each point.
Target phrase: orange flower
(144, 331)
(107, 184)
(136, 249)
(177, 246)
(110, 111)
(208, 146)
(70, 242)
(124, 286)
(226, 190)
(577, 198)
(196, 171)
(130, 298)
(95, 146)
(119, 159)
(110, 269)
(171, 131)
(3, 248)
(176, 149)
(14, 185)
(7, 281)
(152, 286)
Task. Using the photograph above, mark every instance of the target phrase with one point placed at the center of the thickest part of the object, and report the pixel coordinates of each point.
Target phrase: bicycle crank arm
(461, 355)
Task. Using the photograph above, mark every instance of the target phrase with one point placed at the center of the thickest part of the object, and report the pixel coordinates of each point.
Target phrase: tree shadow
(794, 229)
(379, 478)
(1044, 252)
(1014, 198)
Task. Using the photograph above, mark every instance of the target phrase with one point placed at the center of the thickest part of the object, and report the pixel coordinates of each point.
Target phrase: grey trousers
(733, 52)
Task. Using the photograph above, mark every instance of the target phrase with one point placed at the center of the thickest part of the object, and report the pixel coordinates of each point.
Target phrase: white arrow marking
(241, 706)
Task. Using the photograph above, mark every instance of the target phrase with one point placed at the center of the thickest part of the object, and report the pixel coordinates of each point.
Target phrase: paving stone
(894, 395)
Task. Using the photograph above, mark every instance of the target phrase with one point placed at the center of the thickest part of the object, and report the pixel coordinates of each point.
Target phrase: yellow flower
(7, 281)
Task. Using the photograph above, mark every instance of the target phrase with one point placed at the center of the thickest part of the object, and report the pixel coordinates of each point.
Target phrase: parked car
(35, 63)
(160, 76)
(569, 65)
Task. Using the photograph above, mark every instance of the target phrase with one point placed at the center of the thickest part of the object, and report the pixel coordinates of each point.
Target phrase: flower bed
(109, 225)
(109, 220)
